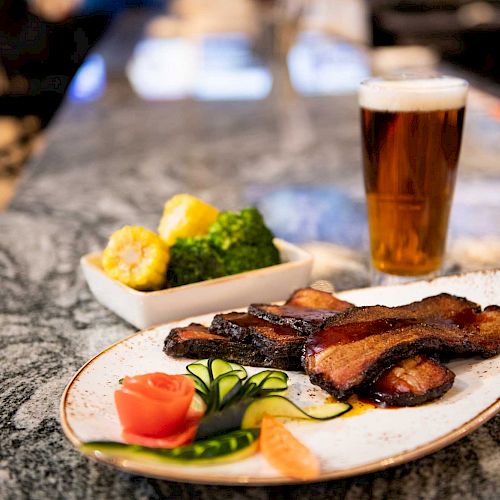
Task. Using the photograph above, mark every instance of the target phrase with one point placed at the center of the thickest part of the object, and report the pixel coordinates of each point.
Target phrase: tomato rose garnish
(184, 435)
(154, 405)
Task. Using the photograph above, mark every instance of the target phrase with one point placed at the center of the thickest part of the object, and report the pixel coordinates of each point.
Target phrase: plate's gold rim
(404, 457)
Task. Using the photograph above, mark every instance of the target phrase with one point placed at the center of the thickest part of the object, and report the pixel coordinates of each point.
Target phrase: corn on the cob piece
(137, 258)
(185, 215)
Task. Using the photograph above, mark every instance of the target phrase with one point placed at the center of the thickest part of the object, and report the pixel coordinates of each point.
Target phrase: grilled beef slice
(301, 311)
(303, 320)
(305, 303)
(196, 342)
(485, 328)
(274, 340)
(411, 382)
(306, 311)
(316, 299)
(444, 308)
(343, 358)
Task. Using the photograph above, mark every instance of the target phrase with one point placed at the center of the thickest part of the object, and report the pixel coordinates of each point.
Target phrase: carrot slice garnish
(285, 452)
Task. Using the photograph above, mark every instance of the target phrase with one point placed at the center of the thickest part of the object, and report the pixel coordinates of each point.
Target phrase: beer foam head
(413, 94)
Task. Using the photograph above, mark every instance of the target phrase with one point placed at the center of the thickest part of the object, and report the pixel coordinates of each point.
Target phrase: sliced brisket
(274, 340)
(377, 351)
(196, 342)
(411, 382)
(344, 357)
(316, 299)
(306, 311)
(444, 308)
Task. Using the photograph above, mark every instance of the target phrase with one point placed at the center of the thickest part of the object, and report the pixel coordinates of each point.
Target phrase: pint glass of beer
(411, 131)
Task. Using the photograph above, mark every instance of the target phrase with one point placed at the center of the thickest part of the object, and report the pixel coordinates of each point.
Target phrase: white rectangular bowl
(146, 309)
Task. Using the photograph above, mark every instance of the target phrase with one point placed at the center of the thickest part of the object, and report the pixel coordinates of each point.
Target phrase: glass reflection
(225, 66)
(319, 64)
(229, 70)
(212, 67)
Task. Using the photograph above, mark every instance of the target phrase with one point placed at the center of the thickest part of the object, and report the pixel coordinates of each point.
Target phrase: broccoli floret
(236, 242)
(240, 258)
(234, 228)
(193, 259)
(245, 241)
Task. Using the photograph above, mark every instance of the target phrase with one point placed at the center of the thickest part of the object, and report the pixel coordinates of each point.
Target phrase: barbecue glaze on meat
(411, 382)
(306, 311)
(250, 340)
(426, 379)
(275, 340)
(443, 308)
(379, 352)
(195, 341)
(356, 350)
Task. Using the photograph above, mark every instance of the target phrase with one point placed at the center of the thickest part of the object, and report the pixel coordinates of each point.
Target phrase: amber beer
(412, 130)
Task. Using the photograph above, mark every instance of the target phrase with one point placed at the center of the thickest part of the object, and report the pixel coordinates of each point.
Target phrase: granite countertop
(115, 161)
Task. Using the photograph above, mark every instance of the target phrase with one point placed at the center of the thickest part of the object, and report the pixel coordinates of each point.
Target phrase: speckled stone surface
(115, 161)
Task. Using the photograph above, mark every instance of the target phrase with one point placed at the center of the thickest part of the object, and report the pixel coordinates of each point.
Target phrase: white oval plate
(367, 442)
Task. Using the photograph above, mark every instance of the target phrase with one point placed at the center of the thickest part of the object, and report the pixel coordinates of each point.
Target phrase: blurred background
(225, 50)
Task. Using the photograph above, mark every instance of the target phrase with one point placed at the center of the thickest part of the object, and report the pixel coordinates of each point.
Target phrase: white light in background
(214, 67)
(319, 64)
(222, 67)
(249, 84)
(229, 71)
(163, 69)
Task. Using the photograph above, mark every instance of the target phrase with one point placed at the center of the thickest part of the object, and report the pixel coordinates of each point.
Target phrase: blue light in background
(311, 213)
(90, 80)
